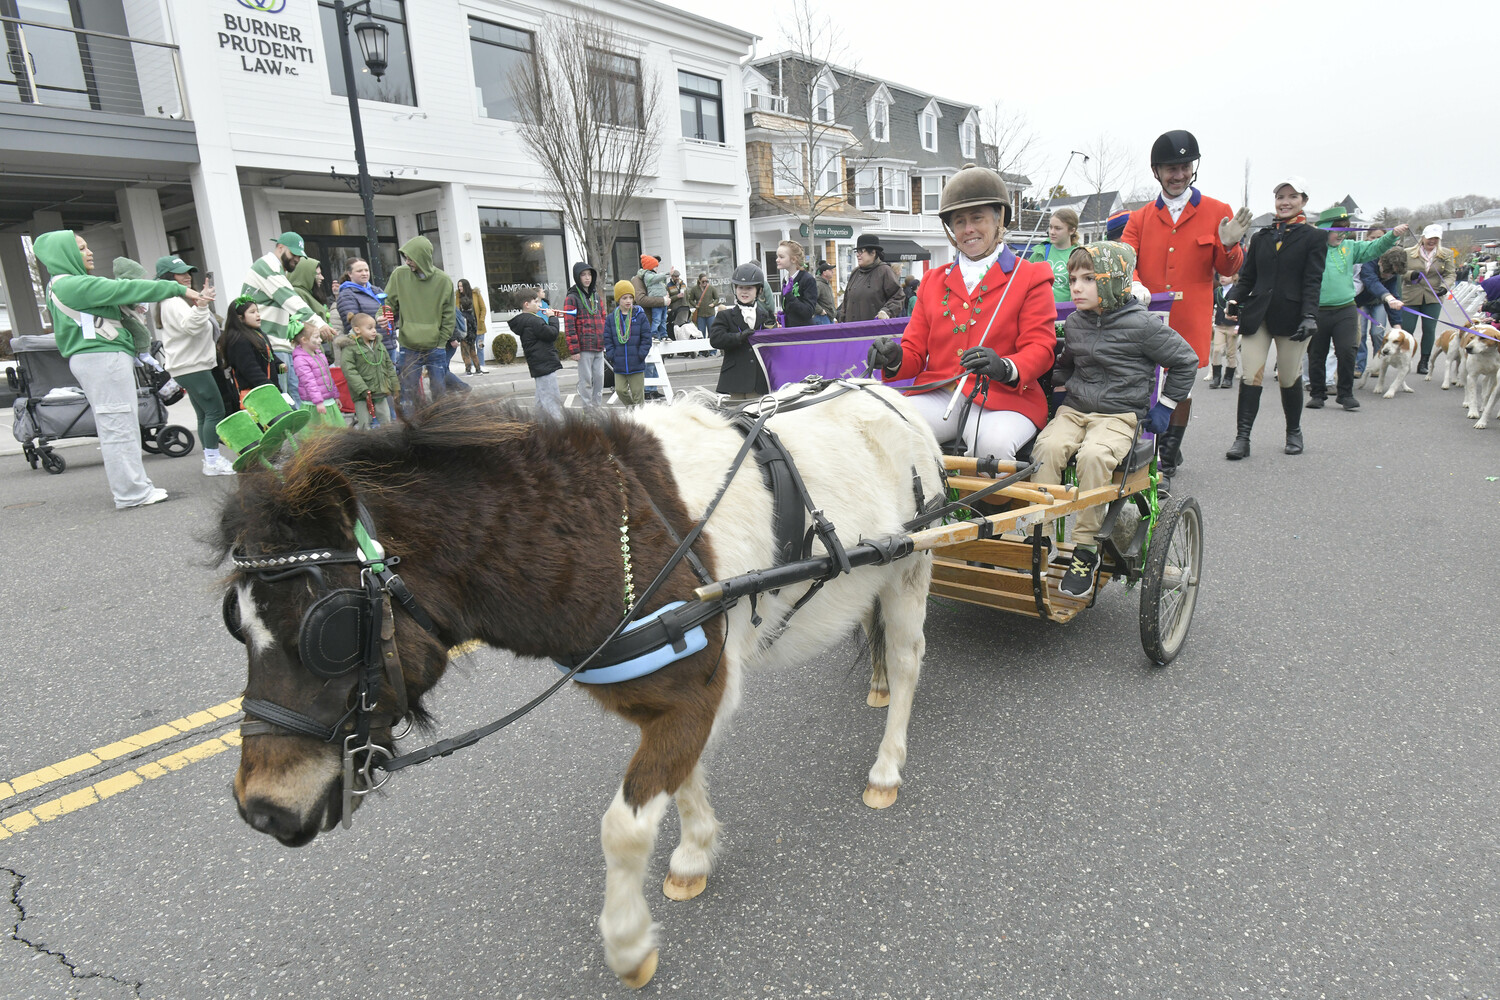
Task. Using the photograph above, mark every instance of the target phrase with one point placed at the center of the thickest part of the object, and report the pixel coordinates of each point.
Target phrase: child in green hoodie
(87, 323)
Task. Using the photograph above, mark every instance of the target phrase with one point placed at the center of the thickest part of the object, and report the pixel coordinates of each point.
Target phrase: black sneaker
(1316, 402)
(1349, 402)
(1078, 581)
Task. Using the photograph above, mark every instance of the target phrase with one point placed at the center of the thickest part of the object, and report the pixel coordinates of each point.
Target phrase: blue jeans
(703, 325)
(658, 318)
(290, 378)
(1377, 313)
(413, 363)
(821, 320)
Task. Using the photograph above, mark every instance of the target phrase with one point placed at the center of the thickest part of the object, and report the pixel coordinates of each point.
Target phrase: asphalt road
(1303, 804)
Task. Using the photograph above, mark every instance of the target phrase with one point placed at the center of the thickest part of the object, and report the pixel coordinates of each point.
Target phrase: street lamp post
(373, 41)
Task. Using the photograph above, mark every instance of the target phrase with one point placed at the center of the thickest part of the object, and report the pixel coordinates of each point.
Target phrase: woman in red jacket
(988, 313)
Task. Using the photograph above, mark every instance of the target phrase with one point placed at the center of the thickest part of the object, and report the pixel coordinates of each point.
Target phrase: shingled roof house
(882, 154)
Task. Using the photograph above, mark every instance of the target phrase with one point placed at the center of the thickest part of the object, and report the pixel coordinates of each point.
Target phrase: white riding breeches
(1000, 433)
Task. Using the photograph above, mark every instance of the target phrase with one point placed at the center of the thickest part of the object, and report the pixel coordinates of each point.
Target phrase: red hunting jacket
(1184, 257)
(1024, 330)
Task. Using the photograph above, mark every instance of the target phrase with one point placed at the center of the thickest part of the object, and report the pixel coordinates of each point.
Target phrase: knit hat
(1114, 263)
(1115, 224)
(649, 262)
(624, 288)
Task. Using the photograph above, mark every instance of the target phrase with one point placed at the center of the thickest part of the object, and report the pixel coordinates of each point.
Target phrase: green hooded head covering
(1114, 266)
(418, 250)
(303, 277)
(58, 251)
(125, 269)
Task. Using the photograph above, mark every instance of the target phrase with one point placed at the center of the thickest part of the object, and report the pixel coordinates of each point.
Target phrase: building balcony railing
(902, 222)
(63, 67)
(756, 101)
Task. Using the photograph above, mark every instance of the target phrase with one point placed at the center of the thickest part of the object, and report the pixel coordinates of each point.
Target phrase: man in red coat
(1182, 241)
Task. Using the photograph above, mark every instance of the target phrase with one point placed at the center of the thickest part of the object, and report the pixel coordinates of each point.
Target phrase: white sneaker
(218, 466)
(483, 370)
(157, 496)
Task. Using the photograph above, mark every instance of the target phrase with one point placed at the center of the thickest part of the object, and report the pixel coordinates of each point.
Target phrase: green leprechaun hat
(241, 434)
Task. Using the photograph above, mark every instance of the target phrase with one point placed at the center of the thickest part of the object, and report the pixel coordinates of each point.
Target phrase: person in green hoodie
(1338, 319)
(421, 296)
(87, 324)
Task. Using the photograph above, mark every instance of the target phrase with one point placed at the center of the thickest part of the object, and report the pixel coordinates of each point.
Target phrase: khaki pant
(1225, 349)
(1100, 441)
(362, 411)
(1256, 349)
(631, 388)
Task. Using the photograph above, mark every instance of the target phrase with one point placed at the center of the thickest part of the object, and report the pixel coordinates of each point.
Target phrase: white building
(207, 127)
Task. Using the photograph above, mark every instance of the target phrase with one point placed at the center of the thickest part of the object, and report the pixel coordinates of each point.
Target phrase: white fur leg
(693, 858)
(904, 611)
(628, 837)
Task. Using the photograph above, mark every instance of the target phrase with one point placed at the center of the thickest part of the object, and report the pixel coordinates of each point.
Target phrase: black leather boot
(1218, 378)
(1249, 406)
(1291, 405)
(1422, 368)
(1228, 382)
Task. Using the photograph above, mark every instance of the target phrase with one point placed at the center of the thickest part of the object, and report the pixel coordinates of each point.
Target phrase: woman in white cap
(1276, 298)
(1428, 277)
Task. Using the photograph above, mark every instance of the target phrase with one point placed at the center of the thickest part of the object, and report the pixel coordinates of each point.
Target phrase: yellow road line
(99, 791)
(119, 748)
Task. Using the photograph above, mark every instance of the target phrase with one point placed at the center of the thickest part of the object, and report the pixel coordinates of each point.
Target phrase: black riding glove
(1305, 329)
(885, 354)
(985, 361)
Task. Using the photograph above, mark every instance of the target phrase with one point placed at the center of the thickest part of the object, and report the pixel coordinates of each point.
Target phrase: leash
(1423, 276)
(1456, 326)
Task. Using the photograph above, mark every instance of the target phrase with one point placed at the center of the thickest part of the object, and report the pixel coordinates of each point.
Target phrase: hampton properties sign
(263, 45)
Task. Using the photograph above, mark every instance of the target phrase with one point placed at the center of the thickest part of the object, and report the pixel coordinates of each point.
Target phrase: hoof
(878, 699)
(880, 798)
(643, 972)
(683, 888)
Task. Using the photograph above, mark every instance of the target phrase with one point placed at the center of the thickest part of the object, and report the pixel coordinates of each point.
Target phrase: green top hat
(292, 242)
(1333, 216)
(275, 418)
(241, 434)
(173, 264)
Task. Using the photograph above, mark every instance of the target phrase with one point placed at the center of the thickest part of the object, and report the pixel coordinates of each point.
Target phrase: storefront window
(522, 248)
(395, 86)
(625, 255)
(334, 240)
(708, 248)
(427, 225)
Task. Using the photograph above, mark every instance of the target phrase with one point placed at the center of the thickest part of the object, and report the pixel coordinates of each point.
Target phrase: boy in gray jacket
(1111, 348)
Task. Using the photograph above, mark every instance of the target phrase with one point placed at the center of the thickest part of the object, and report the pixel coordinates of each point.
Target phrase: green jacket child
(77, 299)
(368, 369)
(125, 269)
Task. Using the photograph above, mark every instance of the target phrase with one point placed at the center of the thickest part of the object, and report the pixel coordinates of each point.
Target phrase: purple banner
(839, 350)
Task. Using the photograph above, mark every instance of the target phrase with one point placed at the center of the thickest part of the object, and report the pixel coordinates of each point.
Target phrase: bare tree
(810, 164)
(1009, 131)
(1106, 163)
(591, 117)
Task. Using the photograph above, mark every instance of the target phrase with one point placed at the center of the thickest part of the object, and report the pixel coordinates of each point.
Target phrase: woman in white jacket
(187, 339)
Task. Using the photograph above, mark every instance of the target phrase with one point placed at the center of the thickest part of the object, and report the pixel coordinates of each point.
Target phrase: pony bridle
(346, 633)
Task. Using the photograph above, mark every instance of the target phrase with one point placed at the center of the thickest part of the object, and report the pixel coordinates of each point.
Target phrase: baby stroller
(50, 406)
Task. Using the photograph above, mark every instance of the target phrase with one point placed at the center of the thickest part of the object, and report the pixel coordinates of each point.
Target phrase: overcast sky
(1374, 98)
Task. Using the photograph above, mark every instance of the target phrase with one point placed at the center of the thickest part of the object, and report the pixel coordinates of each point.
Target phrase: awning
(904, 250)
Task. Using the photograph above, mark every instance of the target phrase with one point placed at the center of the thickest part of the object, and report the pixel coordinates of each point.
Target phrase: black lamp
(374, 45)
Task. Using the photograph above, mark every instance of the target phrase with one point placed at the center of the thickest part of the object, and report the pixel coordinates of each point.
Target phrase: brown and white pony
(500, 524)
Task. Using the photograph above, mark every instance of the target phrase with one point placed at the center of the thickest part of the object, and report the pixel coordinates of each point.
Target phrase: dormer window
(927, 123)
(880, 121)
(968, 135)
(822, 104)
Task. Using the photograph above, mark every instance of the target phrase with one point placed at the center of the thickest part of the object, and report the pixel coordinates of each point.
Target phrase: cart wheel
(149, 444)
(53, 462)
(174, 441)
(1169, 589)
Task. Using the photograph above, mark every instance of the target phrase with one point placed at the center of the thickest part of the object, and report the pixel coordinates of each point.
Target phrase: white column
(672, 220)
(458, 225)
(45, 222)
(20, 296)
(145, 233)
(221, 222)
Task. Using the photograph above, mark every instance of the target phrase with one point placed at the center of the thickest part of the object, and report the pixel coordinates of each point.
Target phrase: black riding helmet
(1176, 146)
(748, 275)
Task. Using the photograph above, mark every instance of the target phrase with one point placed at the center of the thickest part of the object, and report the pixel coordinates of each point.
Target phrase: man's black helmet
(748, 274)
(1176, 146)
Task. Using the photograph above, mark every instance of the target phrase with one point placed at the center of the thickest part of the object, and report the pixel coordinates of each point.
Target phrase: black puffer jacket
(538, 342)
(1109, 361)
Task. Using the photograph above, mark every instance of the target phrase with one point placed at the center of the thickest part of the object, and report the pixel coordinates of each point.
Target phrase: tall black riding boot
(1169, 451)
(1218, 373)
(1228, 382)
(1291, 405)
(1249, 406)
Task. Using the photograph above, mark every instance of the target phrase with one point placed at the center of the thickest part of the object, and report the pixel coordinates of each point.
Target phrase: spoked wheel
(1169, 589)
(149, 444)
(53, 462)
(174, 441)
